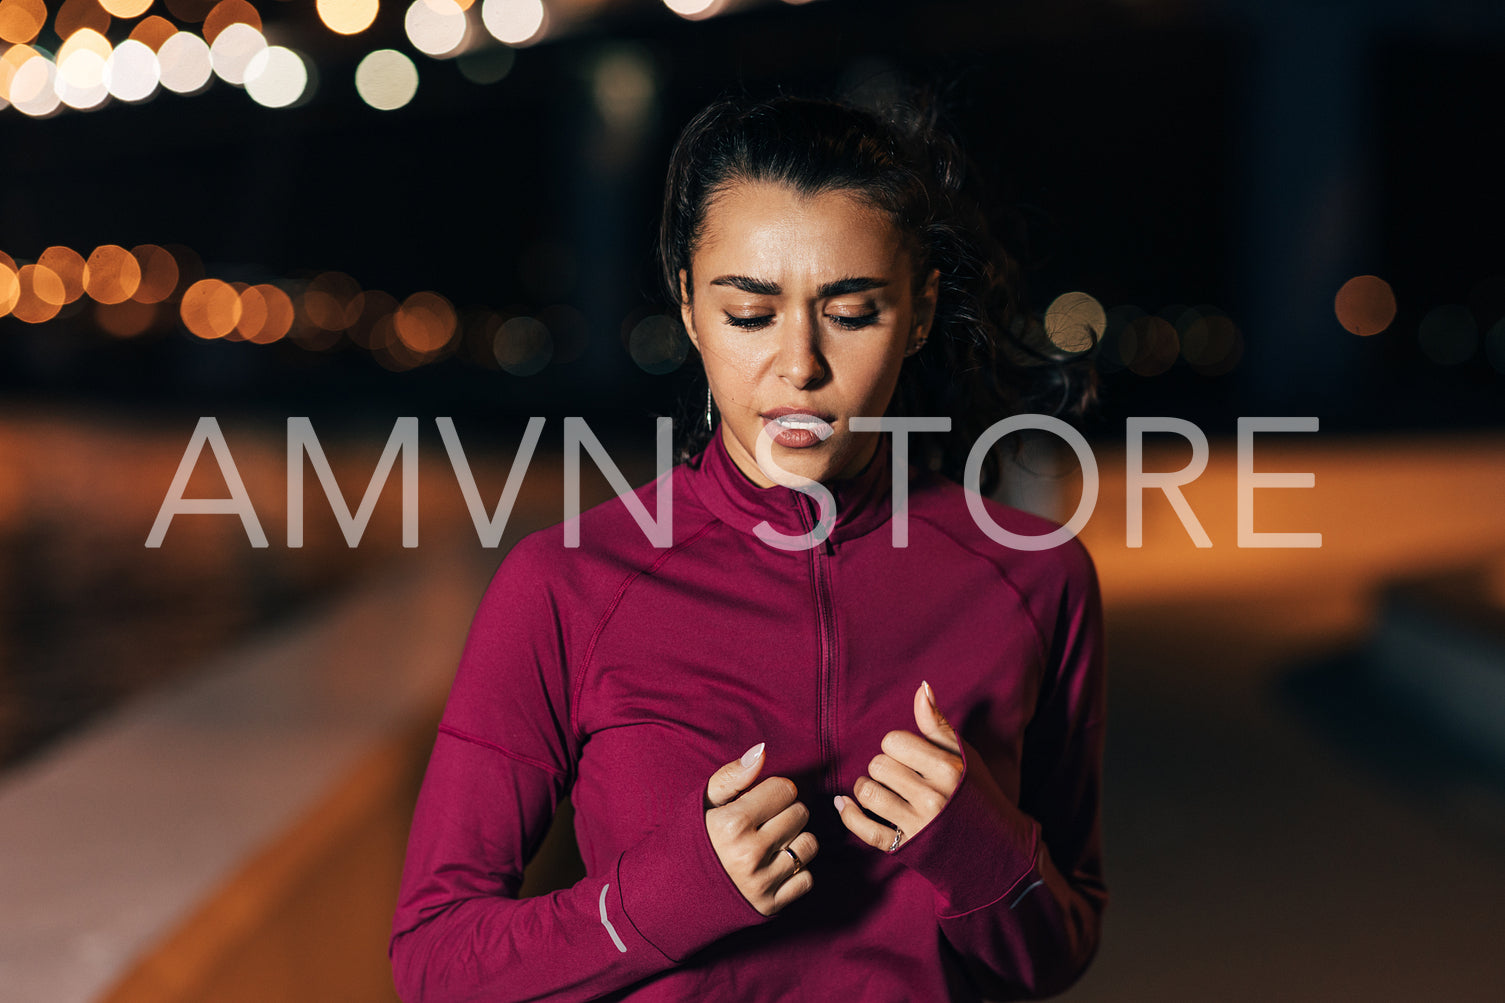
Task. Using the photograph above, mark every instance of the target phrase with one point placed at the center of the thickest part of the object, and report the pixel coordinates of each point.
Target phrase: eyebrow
(762, 287)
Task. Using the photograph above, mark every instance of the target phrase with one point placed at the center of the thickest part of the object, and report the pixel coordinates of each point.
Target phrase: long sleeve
(505, 754)
(1020, 889)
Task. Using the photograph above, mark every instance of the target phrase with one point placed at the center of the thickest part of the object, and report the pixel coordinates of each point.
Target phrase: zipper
(820, 582)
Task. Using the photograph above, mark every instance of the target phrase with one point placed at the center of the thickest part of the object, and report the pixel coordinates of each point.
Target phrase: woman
(916, 813)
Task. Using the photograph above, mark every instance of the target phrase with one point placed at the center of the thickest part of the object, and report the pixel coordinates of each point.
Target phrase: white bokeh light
(513, 21)
(276, 77)
(386, 79)
(693, 9)
(132, 71)
(435, 27)
(32, 88)
(233, 50)
(185, 63)
(80, 80)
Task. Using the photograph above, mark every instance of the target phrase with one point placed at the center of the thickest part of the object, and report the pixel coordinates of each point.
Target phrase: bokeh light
(1075, 321)
(1148, 345)
(126, 320)
(210, 308)
(347, 17)
(425, 323)
(435, 27)
(186, 63)
(694, 10)
(658, 344)
(1448, 334)
(1210, 341)
(371, 327)
(21, 20)
(276, 77)
(516, 22)
(75, 15)
(159, 273)
(112, 274)
(191, 11)
(226, 13)
(522, 346)
(266, 314)
(41, 294)
(81, 62)
(10, 286)
(126, 9)
(1365, 305)
(132, 71)
(623, 87)
(68, 265)
(32, 85)
(332, 301)
(233, 49)
(386, 79)
(487, 66)
(153, 31)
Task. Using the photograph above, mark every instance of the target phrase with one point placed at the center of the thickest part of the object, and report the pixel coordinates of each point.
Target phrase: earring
(708, 426)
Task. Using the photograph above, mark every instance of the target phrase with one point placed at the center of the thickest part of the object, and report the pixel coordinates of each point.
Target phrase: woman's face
(802, 306)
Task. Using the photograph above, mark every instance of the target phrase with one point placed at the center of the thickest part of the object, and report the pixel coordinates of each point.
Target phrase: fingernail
(930, 694)
(751, 755)
(840, 803)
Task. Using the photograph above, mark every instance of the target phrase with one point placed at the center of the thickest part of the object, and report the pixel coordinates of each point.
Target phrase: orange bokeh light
(126, 8)
(41, 294)
(279, 314)
(68, 265)
(10, 284)
(333, 301)
(347, 17)
(226, 13)
(159, 273)
(425, 322)
(1365, 305)
(126, 320)
(112, 274)
(75, 15)
(21, 20)
(211, 308)
(266, 314)
(153, 31)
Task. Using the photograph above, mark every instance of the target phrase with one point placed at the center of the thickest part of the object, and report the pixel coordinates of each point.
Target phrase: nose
(799, 360)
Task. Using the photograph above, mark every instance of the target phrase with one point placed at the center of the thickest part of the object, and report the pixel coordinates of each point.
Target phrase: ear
(924, 311)
(686, 314)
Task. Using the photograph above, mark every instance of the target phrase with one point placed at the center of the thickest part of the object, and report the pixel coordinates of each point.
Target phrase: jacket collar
(862, 501)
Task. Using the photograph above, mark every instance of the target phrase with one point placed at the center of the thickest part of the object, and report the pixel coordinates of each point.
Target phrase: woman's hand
(750, 832)
(910, 781)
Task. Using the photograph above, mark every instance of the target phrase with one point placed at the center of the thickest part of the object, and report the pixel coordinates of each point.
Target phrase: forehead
(769, 230)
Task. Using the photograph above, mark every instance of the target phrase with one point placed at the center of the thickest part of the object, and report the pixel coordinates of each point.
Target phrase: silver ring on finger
(898, 836)
(798, 863)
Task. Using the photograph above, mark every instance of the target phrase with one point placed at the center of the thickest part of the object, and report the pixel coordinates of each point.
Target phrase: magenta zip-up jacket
(623, 675)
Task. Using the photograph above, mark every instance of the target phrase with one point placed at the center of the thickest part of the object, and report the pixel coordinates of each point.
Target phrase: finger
(879, 800)
(872, 833)
(783, 828)
(933, 724)
(919, 794)
(805, 846)
(734, 778)
(771, 796)
(792, 889)
(940, 768)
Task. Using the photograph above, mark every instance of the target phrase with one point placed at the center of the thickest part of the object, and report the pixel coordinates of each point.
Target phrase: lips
(798, 427)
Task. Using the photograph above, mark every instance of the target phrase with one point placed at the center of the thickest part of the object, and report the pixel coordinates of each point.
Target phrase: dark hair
(984, 359)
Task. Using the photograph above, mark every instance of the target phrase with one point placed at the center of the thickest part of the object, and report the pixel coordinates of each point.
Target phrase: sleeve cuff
(977, 849)
(674, 890)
